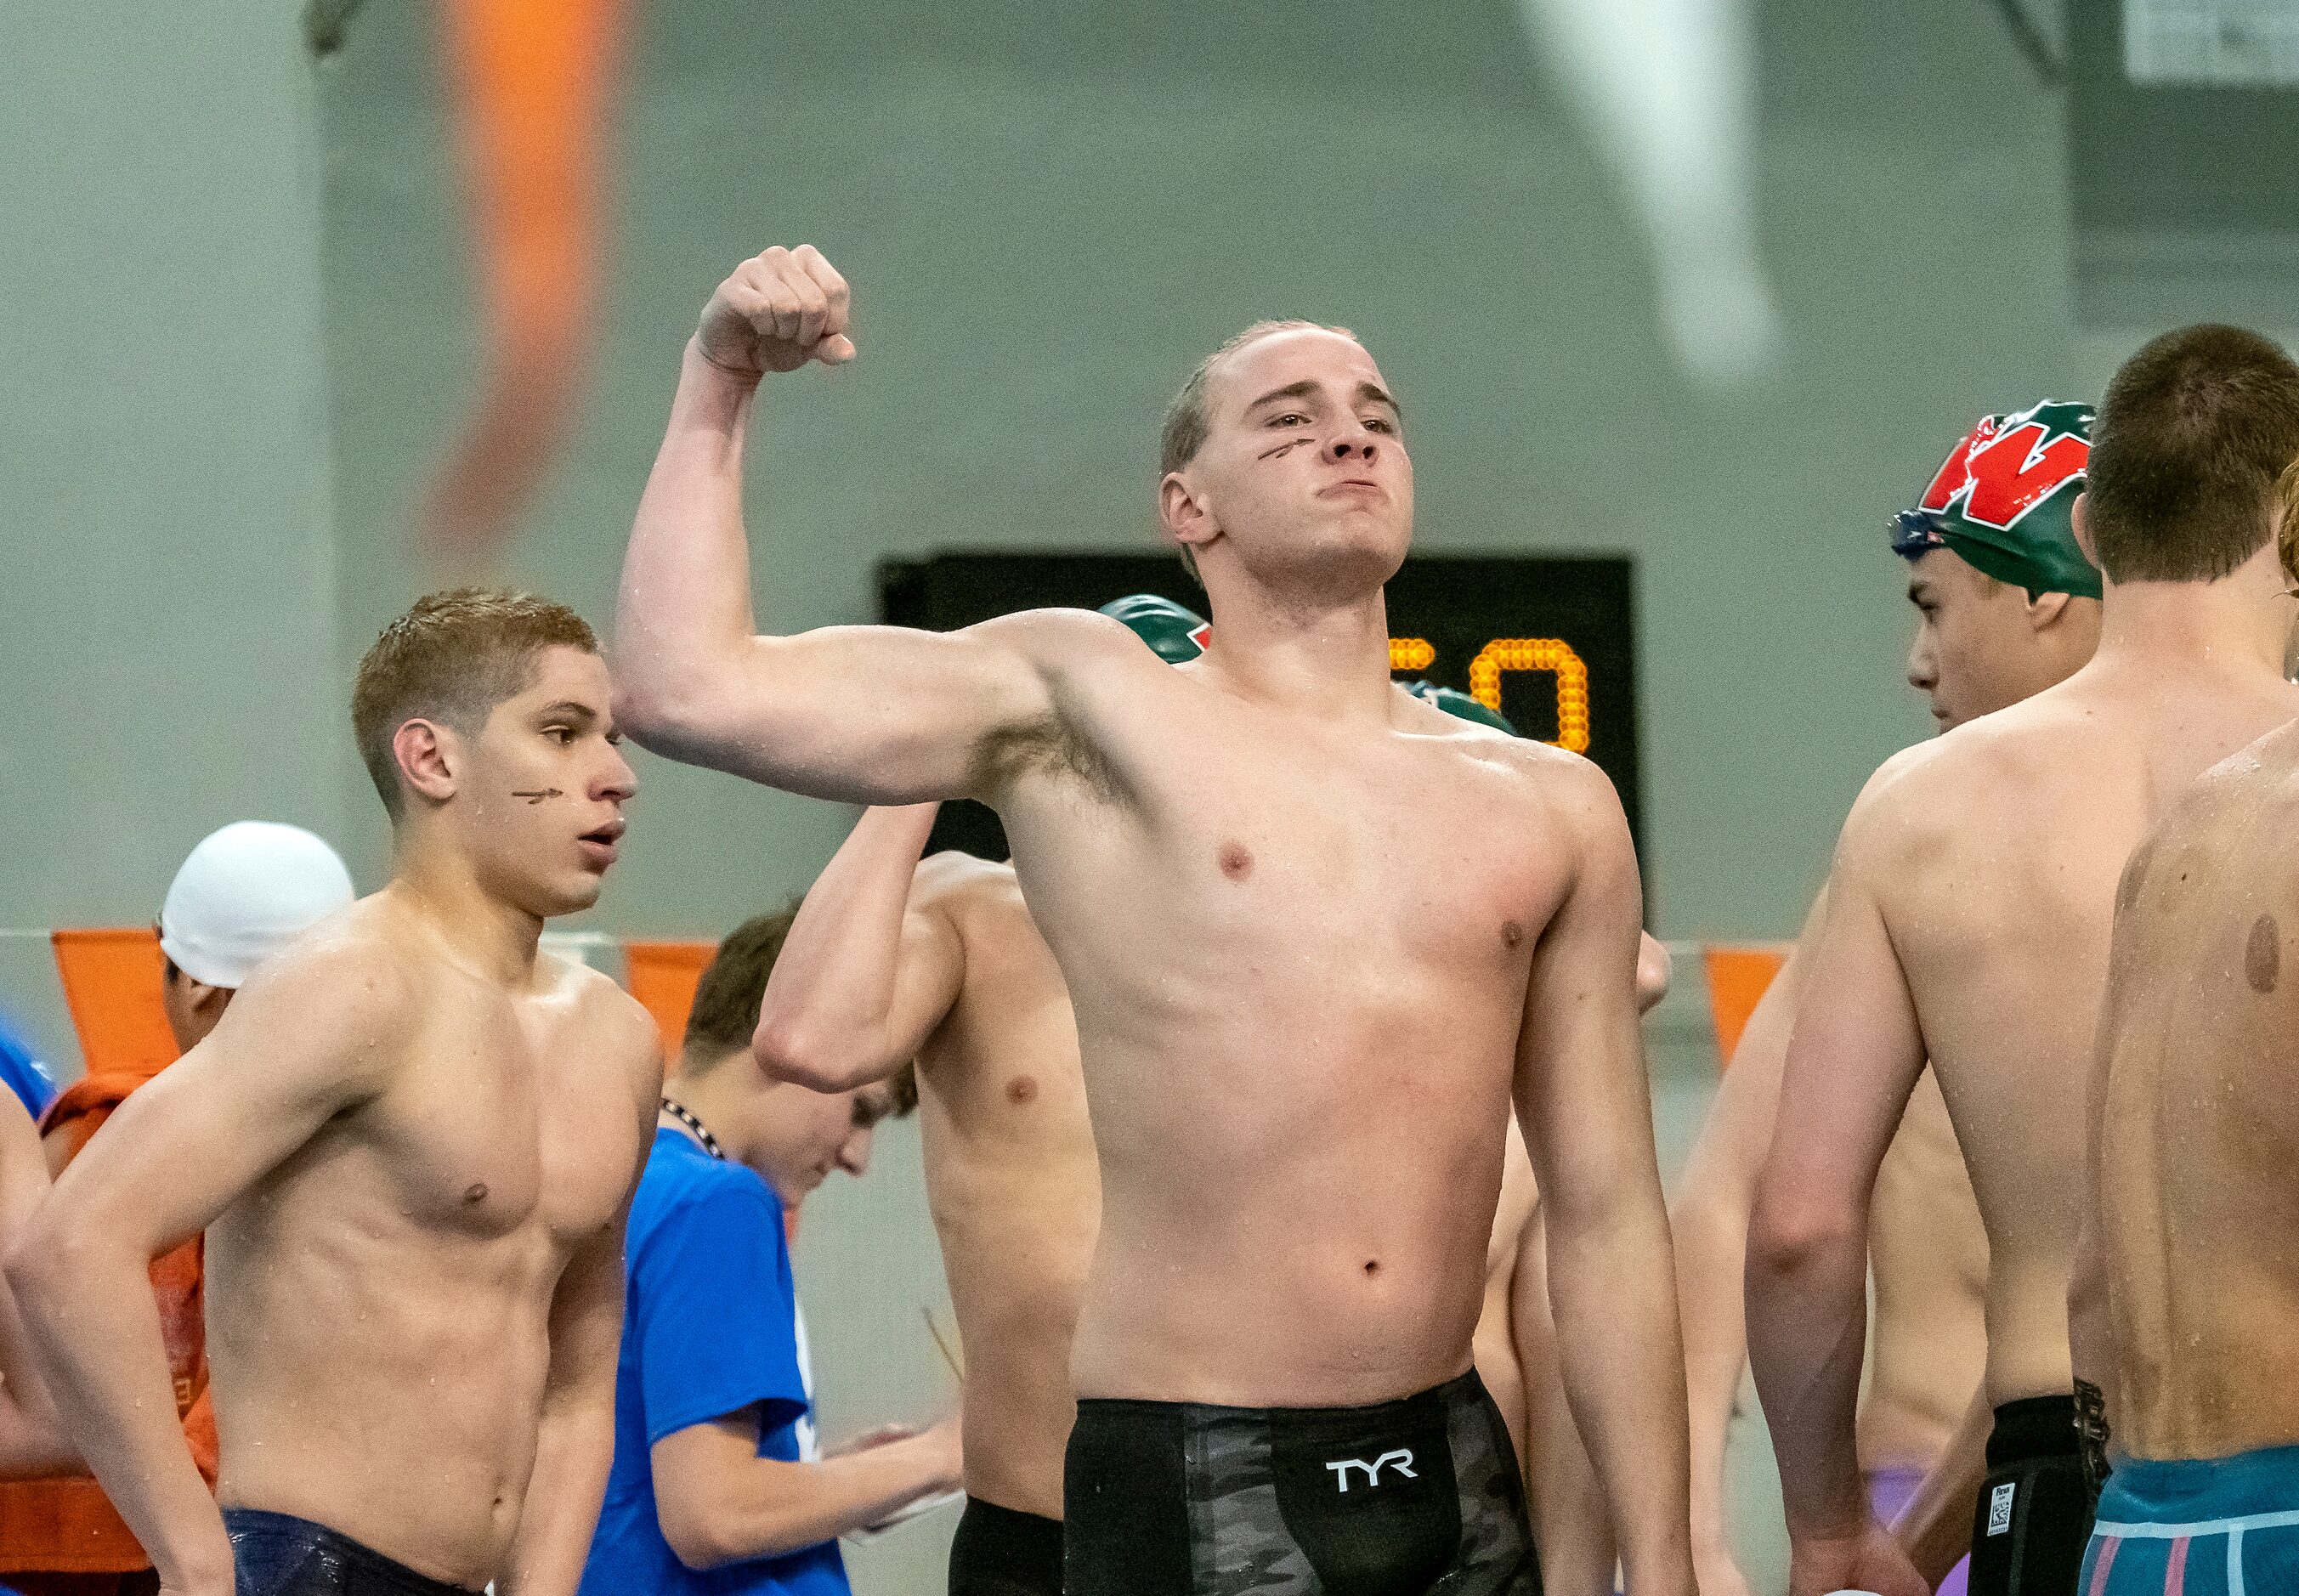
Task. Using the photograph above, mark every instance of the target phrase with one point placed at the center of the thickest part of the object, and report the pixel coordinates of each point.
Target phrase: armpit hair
(1050, 747)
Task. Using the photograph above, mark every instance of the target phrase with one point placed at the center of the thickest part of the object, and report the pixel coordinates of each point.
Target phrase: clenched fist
(778, 310)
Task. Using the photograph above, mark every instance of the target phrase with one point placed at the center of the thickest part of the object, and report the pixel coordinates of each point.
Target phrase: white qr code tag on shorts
(1999, 1508)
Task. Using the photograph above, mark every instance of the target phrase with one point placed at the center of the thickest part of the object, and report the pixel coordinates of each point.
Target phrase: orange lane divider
(1737, 979)
(663, 975)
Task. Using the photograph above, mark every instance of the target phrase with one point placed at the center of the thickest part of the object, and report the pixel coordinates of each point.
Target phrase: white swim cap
(244, 893)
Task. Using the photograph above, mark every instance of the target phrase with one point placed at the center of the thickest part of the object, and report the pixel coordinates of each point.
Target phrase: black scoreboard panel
(1548, 640)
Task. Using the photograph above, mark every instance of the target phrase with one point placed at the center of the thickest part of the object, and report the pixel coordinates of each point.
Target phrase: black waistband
(2034, 1428)
(238, 1522)
(1464, 1387)
(1002, 1551)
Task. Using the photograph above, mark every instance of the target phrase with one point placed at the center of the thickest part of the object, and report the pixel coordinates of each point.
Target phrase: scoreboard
(1547, 640)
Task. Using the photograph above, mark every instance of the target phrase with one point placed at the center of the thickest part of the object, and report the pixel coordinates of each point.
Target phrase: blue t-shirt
(709, 1328)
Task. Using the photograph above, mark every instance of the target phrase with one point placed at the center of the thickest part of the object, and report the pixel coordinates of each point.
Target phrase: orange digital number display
(1552, 654)
(1505, 654)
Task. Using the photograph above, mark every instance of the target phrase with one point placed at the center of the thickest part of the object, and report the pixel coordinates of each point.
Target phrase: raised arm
(1854, 1058)
(1583, 1099)
(864, 714)
(315, 1033)
(1710, 1221)
(870, 965)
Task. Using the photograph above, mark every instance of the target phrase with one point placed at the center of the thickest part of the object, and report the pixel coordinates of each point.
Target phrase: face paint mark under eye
(539, 797)
(1288, 445)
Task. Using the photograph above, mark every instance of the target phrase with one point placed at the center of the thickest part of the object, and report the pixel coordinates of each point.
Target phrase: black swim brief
(999, 1551)
(2035, 1513)
(1164, 1499)
(277, 1554)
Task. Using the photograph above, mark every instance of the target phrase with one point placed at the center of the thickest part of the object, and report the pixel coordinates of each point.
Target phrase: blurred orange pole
(530, 84)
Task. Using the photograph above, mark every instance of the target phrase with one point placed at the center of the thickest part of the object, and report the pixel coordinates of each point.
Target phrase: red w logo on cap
(2001, 477)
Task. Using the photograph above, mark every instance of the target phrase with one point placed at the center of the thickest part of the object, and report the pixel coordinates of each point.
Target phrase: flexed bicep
(863, 714)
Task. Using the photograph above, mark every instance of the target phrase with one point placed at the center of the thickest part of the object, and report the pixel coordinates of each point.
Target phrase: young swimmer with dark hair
(2194, 1184)
(719, 1487)
(892, 959)
(1304, 1001)
(2003, 612)
(1967, 922)
(410, 1140)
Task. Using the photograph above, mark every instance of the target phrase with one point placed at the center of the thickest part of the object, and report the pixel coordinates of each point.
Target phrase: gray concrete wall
(167, 615)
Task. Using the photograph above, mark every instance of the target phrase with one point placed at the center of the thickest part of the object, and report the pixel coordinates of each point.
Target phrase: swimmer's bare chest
(1004, 1061)
(505, 1138)
(1298, 958)
(1298, 955)
(379, 1307)
(1236, 864)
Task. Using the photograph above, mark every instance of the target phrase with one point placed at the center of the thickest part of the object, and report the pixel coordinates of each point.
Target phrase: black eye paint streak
(539, 797)
(2262, 956)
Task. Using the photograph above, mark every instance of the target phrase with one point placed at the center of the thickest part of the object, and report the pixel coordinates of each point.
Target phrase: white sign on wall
(2242, 43)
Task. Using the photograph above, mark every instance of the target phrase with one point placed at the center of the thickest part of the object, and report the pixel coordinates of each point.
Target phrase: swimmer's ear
(425, 754)
(1187, 517)
(2080, 521)
(2046, 608)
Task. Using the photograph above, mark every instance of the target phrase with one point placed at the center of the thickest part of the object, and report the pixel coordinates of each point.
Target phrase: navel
(2263, 955)
(1236, 863)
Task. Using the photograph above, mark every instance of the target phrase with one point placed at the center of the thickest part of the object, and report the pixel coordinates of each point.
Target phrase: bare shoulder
(979, 899)
(606, 1015)
(2268, 768)
(1989, 777)
(332, 1017)
(953, 877)
(2247, 801)
(355, 973)
(1060, 640)
(1927, 791)
(1568, 788)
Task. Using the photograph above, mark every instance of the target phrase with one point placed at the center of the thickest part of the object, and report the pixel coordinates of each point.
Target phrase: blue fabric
(709, 1328)
(2230, 1527)
(23, 1074)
